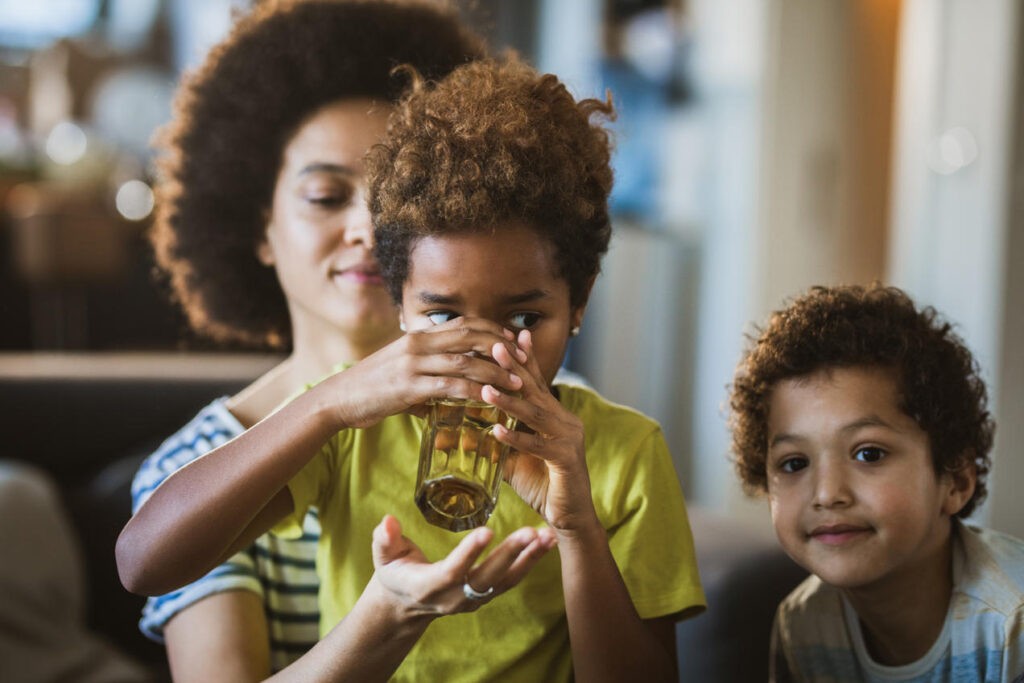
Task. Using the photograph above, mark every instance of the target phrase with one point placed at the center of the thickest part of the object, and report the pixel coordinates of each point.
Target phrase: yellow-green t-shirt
(522, 635)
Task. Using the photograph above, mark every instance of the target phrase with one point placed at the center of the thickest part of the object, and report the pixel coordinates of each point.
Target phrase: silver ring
(473, 595)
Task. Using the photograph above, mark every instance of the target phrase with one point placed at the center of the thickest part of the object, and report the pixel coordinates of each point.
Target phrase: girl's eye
(523, 321)
(793, 464)
(869, 454)
(441, 317)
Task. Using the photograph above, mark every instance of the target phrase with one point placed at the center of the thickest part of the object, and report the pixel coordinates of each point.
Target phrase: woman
(264, 233)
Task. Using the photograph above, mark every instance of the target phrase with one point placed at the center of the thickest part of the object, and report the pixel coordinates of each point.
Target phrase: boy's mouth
(838, 534)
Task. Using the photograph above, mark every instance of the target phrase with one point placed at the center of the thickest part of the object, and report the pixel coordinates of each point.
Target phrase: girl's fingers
(460, 366)
(533, 382)
(525, 342)
(533, 444)
(481, 324)
(540, 418)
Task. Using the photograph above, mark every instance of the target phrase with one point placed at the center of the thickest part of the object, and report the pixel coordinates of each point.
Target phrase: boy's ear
(961, 487)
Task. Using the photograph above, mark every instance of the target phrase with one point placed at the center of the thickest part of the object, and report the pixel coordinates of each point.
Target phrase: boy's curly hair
(493, 143)
(233, 117)
(937, 377)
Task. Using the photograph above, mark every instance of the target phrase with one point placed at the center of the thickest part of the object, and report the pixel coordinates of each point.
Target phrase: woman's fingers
(509, 562)
(388, 543)
(461, 559)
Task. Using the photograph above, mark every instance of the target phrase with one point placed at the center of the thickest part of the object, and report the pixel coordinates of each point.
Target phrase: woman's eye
(794, 464)
(523, 321)
(330, 198)
(328, 201)
(869, 454)
(441, 317)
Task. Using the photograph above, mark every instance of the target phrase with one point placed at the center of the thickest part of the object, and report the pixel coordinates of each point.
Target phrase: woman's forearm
(369, 644)
(222, 501)
(610, 642)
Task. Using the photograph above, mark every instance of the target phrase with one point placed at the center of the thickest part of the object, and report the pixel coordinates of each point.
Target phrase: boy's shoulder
(811, 622)
(993, 569)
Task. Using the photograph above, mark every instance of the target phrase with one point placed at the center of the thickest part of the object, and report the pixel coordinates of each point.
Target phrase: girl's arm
(221, 502)
(609, 640)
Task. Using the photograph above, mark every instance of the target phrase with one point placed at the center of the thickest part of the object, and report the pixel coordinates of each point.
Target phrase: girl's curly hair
(938, 378)
(494, 143)
(234, 116)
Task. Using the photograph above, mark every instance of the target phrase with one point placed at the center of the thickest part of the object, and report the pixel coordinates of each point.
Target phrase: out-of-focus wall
(957, 213)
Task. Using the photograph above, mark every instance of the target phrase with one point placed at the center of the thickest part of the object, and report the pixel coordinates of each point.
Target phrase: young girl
(490, 201)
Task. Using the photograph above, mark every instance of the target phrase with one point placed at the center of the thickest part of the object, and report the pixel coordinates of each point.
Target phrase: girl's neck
(902, 615)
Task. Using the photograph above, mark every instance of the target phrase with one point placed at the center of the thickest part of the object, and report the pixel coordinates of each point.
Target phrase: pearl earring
(574, 331)
(401, 326)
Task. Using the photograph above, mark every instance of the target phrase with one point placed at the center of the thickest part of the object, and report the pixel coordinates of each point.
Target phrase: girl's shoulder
(603, 418)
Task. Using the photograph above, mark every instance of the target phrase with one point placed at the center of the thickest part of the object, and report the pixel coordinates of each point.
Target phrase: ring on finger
(468, 591)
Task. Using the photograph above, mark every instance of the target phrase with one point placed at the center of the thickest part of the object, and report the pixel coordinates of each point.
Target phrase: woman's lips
(838, 534)
(361, 276)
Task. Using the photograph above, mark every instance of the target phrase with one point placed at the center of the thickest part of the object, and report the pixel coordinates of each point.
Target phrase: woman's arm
(406, 593)
(221, 502)
(222, 637)
(609, 640)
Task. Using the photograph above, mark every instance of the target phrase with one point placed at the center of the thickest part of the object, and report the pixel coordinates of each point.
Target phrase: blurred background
(763, 146)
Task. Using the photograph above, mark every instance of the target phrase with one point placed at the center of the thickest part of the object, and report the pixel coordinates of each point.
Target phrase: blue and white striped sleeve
(213, 426)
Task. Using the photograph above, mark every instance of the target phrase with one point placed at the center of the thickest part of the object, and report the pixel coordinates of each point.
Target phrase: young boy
(489, 196)
(864, 420)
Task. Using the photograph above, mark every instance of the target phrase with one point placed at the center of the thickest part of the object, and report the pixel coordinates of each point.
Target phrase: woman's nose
(359, 225)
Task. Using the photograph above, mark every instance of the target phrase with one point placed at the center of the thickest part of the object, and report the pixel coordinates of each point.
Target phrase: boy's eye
(441, 317)
(869, 454)
(793, 464)
(523, 321)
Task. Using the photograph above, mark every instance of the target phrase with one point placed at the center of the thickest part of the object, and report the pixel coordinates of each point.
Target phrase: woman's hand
(422, 588)
(548, 468)
(447, 360)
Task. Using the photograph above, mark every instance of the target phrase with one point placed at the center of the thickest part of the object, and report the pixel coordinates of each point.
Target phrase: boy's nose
(831, 487)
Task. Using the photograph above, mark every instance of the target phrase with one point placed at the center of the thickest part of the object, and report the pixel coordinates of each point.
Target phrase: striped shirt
(282, 572)
(817, 635)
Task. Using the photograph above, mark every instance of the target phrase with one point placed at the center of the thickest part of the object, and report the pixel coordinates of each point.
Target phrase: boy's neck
(902, 615)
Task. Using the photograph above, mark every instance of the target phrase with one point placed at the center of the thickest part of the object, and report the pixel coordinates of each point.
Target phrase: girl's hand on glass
(548, 467)
(446, 360)
(422, 588)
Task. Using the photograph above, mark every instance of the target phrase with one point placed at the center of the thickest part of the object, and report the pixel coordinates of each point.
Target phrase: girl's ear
(961, 484)
(576, 315)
